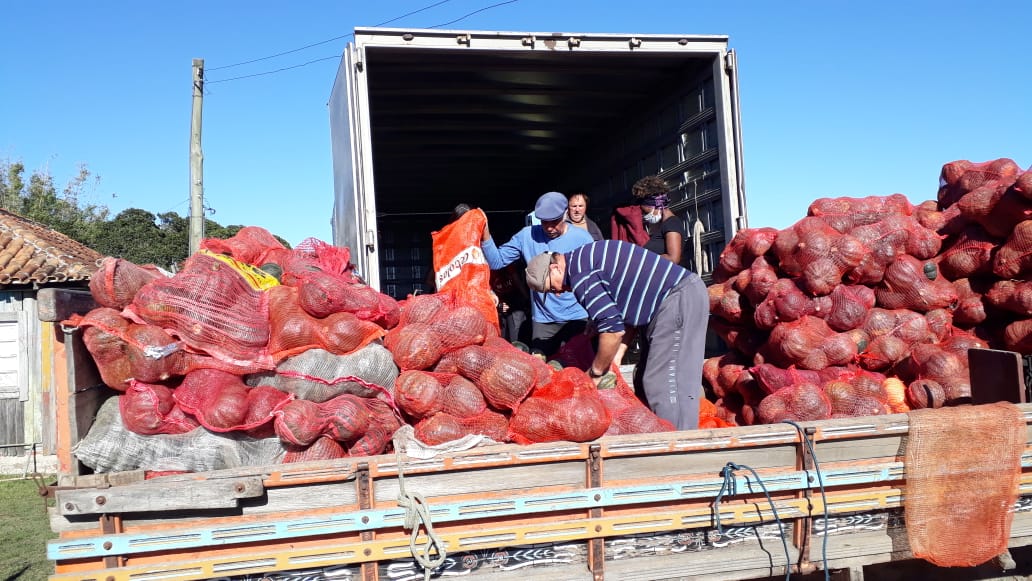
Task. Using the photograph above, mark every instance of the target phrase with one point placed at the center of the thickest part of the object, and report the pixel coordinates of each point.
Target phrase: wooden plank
(145, 498)
(512, 480)
(672, 464)
(12, 425)
(56, 304)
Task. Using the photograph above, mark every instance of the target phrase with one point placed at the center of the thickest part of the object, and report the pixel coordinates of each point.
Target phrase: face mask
(651, 218)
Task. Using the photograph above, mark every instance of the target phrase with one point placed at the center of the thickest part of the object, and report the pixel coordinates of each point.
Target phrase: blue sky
(838, 98)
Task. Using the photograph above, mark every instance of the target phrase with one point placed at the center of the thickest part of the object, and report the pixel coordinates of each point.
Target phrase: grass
(24, 532)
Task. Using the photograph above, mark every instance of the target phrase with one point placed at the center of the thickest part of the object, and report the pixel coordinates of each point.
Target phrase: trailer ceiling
(500, 127)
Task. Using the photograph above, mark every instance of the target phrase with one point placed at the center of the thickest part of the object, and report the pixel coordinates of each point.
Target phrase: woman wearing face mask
(666, 232)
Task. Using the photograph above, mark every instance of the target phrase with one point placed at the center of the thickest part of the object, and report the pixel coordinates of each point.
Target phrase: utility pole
(196, 160)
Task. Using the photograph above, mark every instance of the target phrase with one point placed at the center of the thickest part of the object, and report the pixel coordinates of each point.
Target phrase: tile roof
(32, 253)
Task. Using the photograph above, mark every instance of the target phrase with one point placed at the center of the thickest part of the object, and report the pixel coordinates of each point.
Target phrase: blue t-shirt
(528, 243)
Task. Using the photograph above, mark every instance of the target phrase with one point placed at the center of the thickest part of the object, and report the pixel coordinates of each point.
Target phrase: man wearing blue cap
(556, 318)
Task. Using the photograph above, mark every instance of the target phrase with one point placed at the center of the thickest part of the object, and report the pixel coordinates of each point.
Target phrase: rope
(729, 487)
(417, 513)
(824, 498)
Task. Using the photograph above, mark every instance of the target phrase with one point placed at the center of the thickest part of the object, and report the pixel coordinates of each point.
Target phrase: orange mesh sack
(856, 392)
(212, 308)
(294, 331)
(959, 504)
(504, 378)
(117, 280)
(460, 266)
(420, 344)
(568, 409)
(322, 294)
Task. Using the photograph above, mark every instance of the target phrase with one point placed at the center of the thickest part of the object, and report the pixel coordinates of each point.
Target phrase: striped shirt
(620, 284)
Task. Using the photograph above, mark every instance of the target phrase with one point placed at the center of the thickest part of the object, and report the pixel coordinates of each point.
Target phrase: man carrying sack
(621, 285)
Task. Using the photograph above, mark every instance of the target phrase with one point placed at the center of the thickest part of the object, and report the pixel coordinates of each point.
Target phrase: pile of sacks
(253, 342)
(869, 305)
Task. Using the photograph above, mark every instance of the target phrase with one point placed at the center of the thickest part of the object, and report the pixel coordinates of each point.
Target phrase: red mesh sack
(251, 245)
(970, 310)
(849, 306)
(912, 284)
(747, 340)
(928, 215)
(747, 245)
(855, 392)
(818, 254)
(772, 378)
(443, 427)
(325, 448)
(810, 344)
(327, 257)
(322, 294)
(345, 418)
(628, 414)
(760, 280)
(721, 372)
(117, 281)
(845, 214)
(726, 303)
(970, 253)
(925, 393)
(800, 402)
(104, 339)
(383, 422)
(503, 378)
(221, 402)
(149, 409)
(567, 409)
(460, 266)
(1023, 185)
(887, 239)
(422, 308)
(212, 309)
(998, 210)
(960, 177)
(294, 331)
(1014, 258)
(908, 325)
(1017, 336)
(300, 423)
(1011, 295)
(948, 368)
(786, 302)
(542, 371)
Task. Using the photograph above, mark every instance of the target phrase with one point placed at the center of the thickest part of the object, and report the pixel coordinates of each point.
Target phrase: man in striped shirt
(625, 287)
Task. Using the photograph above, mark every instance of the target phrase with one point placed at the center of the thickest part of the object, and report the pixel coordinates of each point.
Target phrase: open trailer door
(354, 203)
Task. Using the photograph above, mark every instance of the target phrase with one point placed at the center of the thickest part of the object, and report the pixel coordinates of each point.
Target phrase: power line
(463, 17)
(272, 56)
(336, 56)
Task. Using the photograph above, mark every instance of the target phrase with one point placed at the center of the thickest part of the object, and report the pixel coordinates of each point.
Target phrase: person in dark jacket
(577, 214)
(623, 286)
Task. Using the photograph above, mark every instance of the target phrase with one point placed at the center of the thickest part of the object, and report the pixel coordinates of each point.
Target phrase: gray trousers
(673, 349)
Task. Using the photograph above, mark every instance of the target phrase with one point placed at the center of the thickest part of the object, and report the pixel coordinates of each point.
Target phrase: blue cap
(550, 207)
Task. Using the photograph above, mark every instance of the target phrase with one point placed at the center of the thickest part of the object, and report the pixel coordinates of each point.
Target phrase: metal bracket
(803, 532)
(596, 546)
(364, 488)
